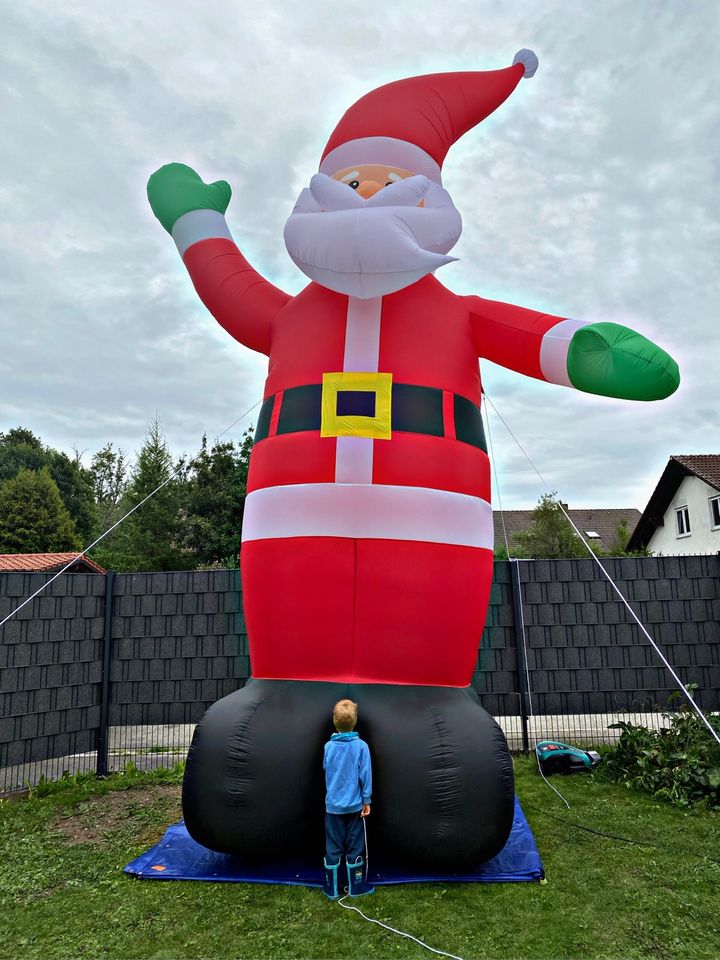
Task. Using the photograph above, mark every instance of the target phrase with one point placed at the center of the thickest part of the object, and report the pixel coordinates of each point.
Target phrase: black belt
(414, 410)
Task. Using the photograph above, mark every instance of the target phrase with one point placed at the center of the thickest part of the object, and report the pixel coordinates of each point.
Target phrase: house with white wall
(683, 514)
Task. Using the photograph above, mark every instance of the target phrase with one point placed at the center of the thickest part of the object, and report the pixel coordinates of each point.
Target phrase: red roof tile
(47, 562)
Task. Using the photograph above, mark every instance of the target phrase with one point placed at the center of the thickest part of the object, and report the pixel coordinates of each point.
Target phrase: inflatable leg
(443, 786)
(254, 777)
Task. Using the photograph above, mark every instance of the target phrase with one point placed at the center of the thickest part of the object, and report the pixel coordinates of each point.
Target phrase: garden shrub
(679, 763)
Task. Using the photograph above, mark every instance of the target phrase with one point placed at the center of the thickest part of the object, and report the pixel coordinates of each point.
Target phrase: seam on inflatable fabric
(355, 600)
(443, 740)
(240, 728)
(509, 778)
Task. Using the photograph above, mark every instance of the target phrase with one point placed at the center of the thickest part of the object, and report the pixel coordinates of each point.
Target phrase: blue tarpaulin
(179, 857)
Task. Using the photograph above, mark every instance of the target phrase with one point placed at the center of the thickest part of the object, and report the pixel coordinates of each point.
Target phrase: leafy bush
(679, 763)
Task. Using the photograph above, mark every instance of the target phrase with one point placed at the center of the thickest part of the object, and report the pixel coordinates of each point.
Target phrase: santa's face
(368, 178)
(371, 229)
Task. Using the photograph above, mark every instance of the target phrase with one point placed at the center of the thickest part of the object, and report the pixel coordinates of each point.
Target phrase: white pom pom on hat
(528, 59)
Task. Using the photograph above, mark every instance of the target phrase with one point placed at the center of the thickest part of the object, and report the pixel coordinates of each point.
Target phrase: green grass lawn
(63, 893)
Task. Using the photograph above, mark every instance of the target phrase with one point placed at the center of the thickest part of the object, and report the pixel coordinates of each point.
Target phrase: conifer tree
(150, 538)
(214, 501)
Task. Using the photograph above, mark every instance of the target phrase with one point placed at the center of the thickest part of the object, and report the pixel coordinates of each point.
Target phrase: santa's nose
(369, 188)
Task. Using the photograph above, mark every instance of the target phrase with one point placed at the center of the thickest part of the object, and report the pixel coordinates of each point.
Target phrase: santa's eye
(354, 184)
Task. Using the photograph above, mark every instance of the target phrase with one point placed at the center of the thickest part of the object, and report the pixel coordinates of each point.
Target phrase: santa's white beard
(368, 248)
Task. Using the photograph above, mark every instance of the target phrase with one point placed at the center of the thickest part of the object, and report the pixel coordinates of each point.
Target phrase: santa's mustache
(368, 248)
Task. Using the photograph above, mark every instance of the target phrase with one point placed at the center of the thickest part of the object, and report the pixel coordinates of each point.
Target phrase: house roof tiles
(601, 521)
(47, 563)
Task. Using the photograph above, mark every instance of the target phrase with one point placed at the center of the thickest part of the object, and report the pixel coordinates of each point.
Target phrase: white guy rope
(497, 481)
(528, 684)
(116, 524)
(385, 926)
(612, 583)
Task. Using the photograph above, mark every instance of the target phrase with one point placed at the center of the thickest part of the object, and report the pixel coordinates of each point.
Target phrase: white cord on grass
(400, 933)
(116, 524)
(367, 855)
(612, 583)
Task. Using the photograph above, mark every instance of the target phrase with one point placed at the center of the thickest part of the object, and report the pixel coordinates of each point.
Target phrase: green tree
(108, 471)
(618, 547)
(20, 450)
(549, 535)
(150, 538)
(33, 518)
(214, 501)
(620, 540)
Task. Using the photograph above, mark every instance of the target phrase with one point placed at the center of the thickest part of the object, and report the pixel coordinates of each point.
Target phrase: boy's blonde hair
(344, 716)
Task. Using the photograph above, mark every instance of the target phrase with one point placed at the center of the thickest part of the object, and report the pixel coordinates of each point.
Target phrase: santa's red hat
(413, 123)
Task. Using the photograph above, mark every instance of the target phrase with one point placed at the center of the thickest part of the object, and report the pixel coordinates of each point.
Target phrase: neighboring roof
(703, 465)
(706, 466)
(46, 563)
(601, 521)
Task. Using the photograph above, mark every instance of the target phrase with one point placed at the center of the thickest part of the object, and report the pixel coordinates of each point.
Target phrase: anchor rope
(528, 683)
(610, 580)
(122, 519)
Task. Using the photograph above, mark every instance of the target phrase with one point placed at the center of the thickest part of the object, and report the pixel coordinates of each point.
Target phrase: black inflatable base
(443, 793)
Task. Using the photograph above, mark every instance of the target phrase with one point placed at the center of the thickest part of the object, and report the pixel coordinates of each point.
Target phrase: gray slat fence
(176, 642)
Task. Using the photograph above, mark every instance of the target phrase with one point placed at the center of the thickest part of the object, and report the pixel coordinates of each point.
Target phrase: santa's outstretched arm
(192, 212)
(604, 358)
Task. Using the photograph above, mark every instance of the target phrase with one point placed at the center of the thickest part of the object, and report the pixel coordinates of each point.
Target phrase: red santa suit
(367, 536)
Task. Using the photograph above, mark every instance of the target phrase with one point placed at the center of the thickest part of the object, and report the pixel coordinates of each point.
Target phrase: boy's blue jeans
(344, 836)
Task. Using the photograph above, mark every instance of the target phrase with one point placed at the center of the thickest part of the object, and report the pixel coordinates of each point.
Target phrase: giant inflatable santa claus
(367, 537)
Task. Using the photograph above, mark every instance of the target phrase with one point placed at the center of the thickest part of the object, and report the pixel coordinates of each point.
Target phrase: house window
(682, 519)
(715, 512)
(593, 534)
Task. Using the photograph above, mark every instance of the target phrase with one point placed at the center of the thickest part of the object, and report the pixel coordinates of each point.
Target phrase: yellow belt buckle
(334, 424)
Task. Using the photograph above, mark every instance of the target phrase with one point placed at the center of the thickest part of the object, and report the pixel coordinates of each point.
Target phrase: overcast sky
(591, 193)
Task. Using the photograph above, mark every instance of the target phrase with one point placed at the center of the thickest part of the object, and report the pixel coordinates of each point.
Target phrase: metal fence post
(102, 747)
(520, 649)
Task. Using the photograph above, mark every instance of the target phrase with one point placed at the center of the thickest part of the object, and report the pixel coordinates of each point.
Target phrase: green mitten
(176, 189)
(614, 361)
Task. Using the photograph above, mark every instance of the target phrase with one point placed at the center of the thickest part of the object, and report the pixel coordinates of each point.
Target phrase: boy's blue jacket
(348, 774)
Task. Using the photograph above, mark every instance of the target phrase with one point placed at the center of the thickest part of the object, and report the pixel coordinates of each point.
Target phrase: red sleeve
(242, 301)
(509, 335)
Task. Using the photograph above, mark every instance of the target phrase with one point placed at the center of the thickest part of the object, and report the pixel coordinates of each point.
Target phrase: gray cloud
(590, 193)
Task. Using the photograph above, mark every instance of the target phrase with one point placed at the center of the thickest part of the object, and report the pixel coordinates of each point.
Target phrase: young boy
(348, 781)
